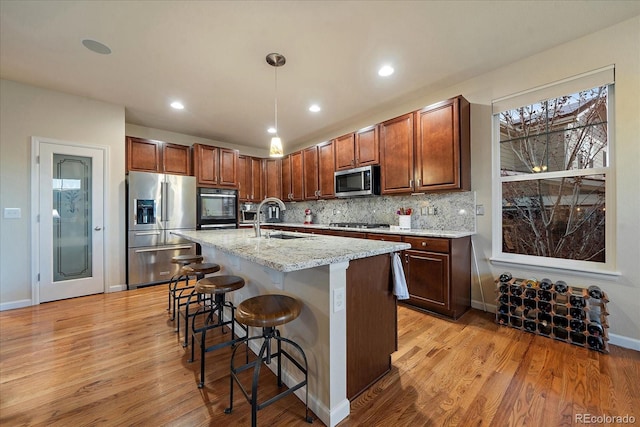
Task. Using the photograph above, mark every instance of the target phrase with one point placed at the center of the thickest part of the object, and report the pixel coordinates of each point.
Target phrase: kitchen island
(347, 327)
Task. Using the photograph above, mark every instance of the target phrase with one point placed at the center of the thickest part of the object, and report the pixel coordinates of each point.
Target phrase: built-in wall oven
(216, 208)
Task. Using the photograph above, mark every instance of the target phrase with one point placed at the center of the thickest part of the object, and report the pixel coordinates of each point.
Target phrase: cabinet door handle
(411, 183)
(424, 243)
(418, 183)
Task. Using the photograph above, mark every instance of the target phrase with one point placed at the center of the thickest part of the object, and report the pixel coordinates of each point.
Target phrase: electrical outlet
(338, 299)
(431, 210)
(423, 210)
(12, 213)
(479, 209)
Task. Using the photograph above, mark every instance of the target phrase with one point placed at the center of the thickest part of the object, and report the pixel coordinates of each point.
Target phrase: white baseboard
(615, 339)
(117, 288)
(15, 304)
(626, 342)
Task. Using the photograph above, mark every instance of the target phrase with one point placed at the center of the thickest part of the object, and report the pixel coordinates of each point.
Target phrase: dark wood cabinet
(396, 155)
(310, 172)
(272, 178)
(249, 179)
(442, 147)
(292, 180)
(438, 274)
(318, 168)
(148, 155)
(371, 322)
(357, 149)
(215, 166)
(427, 150)
(326, 168)
(345, 152)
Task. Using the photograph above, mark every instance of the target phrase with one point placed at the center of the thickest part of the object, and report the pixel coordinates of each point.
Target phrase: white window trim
(573, 84)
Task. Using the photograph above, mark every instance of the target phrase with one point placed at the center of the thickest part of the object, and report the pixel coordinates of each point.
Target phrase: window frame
(609, 171)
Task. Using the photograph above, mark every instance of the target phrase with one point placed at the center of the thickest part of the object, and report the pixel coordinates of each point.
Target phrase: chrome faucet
(256, 223)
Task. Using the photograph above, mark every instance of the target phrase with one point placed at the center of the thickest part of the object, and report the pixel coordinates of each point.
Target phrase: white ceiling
(211, 55)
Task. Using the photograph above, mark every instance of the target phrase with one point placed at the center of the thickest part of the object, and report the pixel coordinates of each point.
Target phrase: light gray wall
(616, 45)
(27, 111)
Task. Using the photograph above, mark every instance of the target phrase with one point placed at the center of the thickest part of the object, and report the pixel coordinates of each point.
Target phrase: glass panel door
(72, 228)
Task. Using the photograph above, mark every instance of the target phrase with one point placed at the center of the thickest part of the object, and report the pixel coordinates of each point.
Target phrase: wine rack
(566, 313)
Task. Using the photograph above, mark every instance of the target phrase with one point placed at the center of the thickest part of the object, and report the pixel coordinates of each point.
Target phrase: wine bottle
(516, 290)
(504, 299)
(544, 295)
(530, 325)
(596, 343)
(545, 284)
(560, 333)
(529, 303)
(544, 328)
(505, 277)
(577, 301)
(530, 293)
(561, 287)
(578, 338)
(561, 321)
(544, 306)
(544, 318)
(595, 329)
(595, 292)
(577, 313)
(577, 325)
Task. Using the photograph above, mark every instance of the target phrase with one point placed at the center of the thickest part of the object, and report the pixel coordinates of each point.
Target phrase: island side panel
(318, 330)
(371, 322)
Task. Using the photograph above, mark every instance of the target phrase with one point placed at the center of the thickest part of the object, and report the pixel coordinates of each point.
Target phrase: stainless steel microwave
(363, 181)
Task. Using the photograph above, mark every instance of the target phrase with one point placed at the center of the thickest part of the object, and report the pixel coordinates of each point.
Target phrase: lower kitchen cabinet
(438, 273)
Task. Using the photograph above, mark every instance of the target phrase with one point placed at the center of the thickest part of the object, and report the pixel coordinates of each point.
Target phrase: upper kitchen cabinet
(273, 178)
(292, 177)
(396, 155)
(319, 162)
(147, 155)
(427, 150)
(215, 167)
(357, 149)
(249, 179)
(442, 147)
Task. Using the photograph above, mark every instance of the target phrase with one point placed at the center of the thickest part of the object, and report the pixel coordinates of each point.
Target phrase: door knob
(98, 228)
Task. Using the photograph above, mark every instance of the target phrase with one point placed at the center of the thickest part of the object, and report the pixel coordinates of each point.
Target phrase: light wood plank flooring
(114, 360)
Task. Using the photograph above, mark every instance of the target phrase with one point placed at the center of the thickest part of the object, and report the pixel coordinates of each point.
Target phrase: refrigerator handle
(135, 216)
(165, 197)
(162, 203)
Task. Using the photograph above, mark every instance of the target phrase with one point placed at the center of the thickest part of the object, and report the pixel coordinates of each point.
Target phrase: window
(552, 172)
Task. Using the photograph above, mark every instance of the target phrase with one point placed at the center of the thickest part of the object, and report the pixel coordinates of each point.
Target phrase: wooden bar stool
(267, 312)
(199, 270)
(176, 293)
(215, 288)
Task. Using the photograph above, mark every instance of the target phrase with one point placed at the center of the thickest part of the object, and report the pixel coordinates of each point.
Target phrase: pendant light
(276, 60)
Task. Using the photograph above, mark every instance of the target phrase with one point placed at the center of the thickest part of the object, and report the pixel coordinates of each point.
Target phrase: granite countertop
(285, 255)
(413, 232)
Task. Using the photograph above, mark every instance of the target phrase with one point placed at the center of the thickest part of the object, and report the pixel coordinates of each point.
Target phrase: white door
(70, 228)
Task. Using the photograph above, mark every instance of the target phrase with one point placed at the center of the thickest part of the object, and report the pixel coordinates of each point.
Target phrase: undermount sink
(284, 236)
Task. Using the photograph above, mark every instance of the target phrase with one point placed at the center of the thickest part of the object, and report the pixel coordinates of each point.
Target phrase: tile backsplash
(442, 211)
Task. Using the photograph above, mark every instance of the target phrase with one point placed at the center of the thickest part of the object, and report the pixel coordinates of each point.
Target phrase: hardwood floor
(114, 360)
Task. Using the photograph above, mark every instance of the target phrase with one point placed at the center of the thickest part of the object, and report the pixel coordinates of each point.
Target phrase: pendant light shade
(276, 147)
(276, 60)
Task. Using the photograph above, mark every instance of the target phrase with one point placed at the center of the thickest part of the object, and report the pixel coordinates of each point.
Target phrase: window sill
(540, 266)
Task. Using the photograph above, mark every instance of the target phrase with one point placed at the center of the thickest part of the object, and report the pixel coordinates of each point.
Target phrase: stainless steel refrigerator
(157, 204)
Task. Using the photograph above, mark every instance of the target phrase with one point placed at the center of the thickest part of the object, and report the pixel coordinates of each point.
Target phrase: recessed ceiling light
(385, 71)
(271, 130)
(177, 105)
(96, 47)
(315, 108)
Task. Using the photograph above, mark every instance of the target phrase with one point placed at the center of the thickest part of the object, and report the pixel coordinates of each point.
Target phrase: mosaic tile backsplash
(451, 211)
